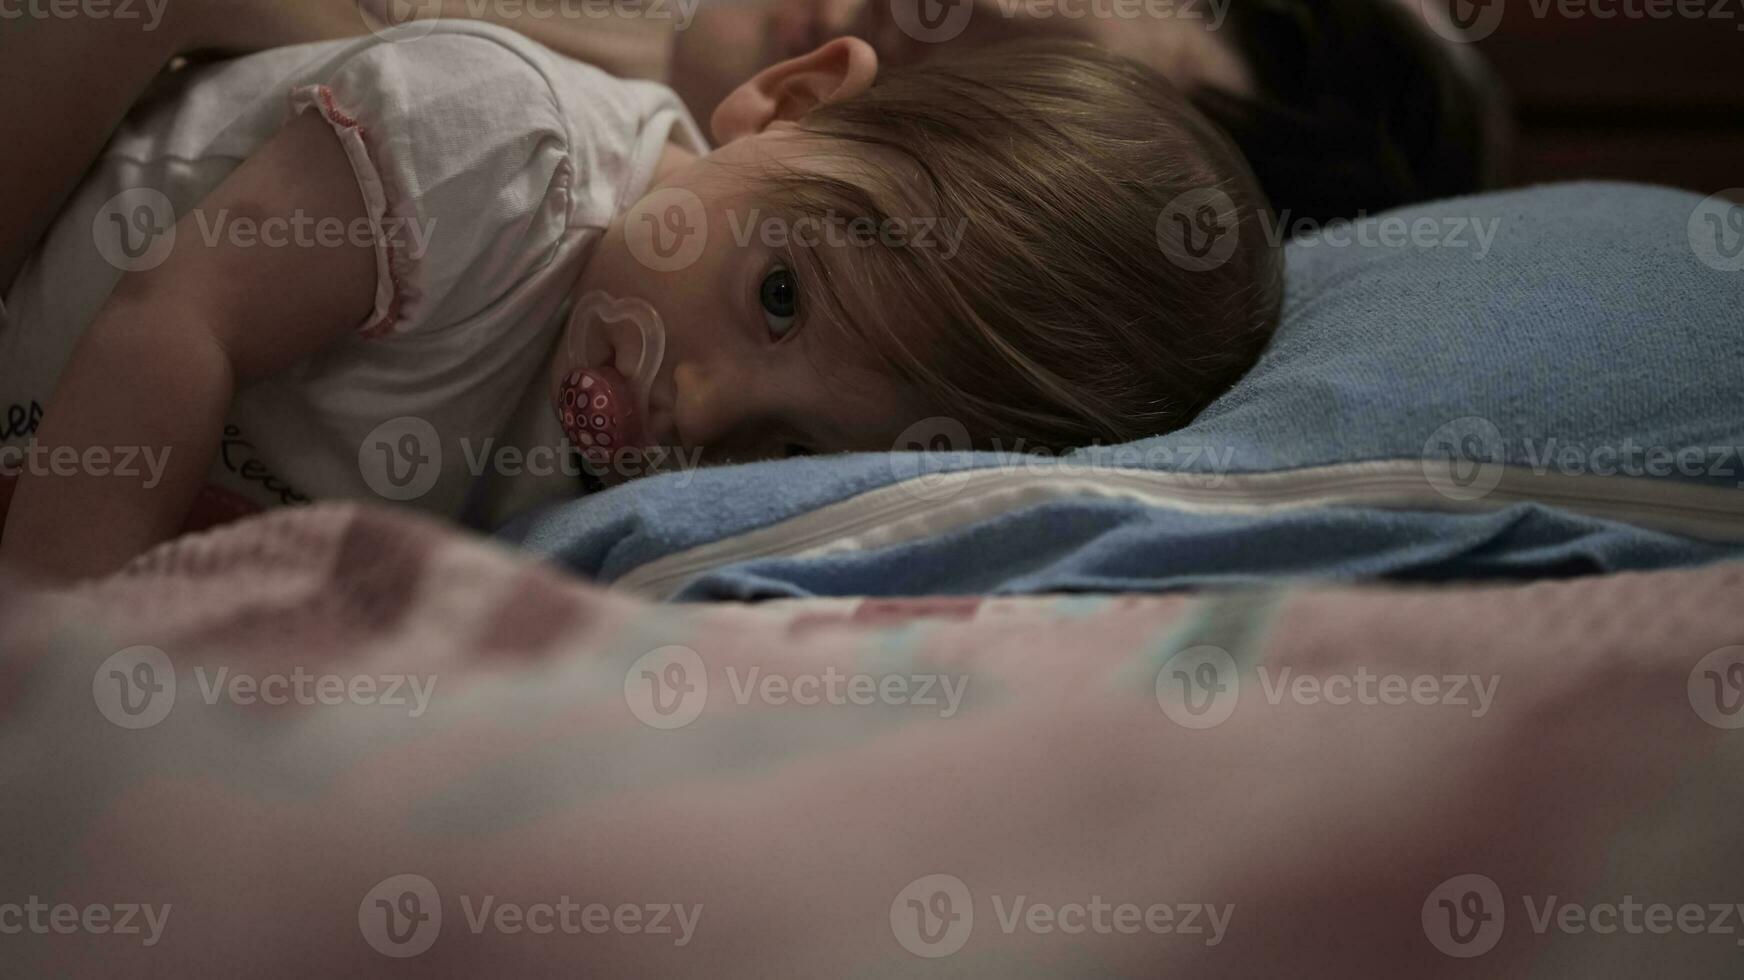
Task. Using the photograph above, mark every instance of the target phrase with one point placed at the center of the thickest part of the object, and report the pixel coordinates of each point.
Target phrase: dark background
(1659, 101)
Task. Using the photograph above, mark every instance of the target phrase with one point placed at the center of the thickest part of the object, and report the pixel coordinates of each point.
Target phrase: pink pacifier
(604, 413)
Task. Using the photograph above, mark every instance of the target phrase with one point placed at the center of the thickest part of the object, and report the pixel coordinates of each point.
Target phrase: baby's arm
(159, 366)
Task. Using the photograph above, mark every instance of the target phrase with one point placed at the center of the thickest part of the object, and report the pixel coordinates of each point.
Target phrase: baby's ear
(840, 69)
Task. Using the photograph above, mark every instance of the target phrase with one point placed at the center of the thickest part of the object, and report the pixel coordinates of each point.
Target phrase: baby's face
(752, 369)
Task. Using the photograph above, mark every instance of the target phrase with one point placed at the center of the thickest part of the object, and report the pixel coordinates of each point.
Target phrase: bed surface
(1288, 781)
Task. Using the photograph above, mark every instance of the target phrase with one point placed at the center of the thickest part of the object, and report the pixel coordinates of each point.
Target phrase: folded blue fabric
(1579, 333)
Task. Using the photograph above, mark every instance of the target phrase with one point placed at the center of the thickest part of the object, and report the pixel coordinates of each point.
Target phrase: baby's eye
(779, 295)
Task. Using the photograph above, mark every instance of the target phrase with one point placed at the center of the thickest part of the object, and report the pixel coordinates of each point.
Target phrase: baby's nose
(722, 411)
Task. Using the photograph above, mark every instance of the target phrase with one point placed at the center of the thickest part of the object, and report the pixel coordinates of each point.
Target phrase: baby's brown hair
(1093, 296)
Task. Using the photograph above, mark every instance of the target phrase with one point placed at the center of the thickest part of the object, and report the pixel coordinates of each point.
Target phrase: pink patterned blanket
(342, 741)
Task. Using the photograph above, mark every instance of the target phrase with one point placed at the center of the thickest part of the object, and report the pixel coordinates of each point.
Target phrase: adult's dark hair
(1360, 107)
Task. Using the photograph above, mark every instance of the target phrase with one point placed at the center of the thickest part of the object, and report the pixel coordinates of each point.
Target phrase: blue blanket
(1536, 383)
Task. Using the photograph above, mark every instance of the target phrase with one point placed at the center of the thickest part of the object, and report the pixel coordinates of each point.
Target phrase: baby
(449, 240)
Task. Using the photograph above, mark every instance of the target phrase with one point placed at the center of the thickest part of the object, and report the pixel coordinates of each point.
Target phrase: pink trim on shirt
(392, 265)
